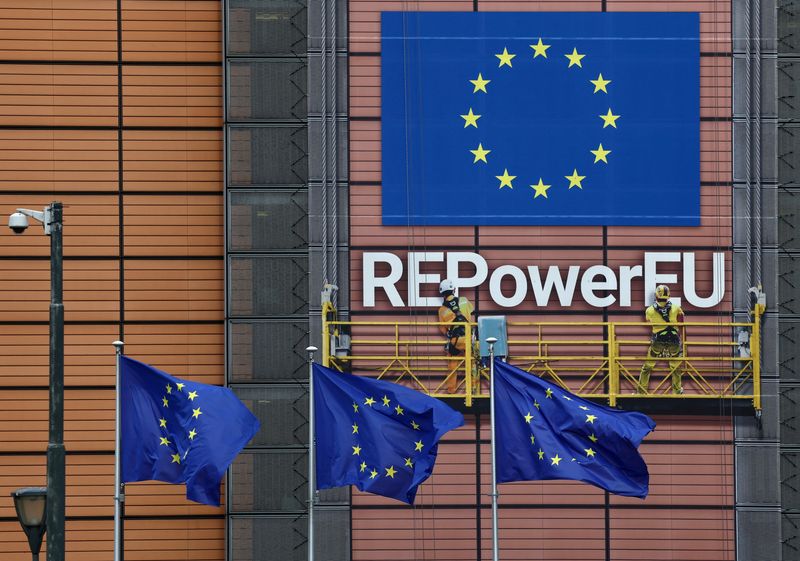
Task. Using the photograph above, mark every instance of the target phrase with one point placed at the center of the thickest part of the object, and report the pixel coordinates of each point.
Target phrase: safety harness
(670, 333)
(453, 333)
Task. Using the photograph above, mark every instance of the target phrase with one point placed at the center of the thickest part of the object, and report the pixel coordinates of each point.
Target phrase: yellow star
(176, 459)
(355, 407)
(409, 463)
(192, 434)
(390, 471)
(164, 441)
(540, 453)
(373, 474)
(369, 401)
(549, 393)
(386, 401)
(169, 388)
(591, 418)
(363, 466)
(541, 189)
(414, 425)
(398, 410)
(470, 119)
(355, 428)
(575, 179)
(592, 437)
(600, 154)
(165, 402)
(555, 459)
(480, 154)
(533, 439)
(356, 450)
(505, 58)
(505, 179)
(589, 452)
(192, 395)
(418, 446)
(568, 398)
(536, 404)
(539, 49)
(574, 58)
(180, 386)
(162, 423)
(609, 119)
(528, 418)
(196, 413)
(584, 408)
(480, 84)
(600, 84)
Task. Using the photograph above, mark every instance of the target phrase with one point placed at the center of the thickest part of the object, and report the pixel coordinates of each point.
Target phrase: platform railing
(592, 359)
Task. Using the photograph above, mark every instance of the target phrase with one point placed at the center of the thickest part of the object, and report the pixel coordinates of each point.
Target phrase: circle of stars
(574, 59)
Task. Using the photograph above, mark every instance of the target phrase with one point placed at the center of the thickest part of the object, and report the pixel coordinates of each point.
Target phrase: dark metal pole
(56, 470)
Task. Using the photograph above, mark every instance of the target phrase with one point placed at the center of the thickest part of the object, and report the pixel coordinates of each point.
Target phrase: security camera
(18, 222)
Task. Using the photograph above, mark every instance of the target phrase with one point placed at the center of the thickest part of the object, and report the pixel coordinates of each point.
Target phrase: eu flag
(540, 118)
(378, 436)
(545, 432)
(179, 431)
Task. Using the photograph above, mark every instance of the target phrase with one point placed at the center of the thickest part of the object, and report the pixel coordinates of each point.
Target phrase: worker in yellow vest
(454, 310)
(665, 340)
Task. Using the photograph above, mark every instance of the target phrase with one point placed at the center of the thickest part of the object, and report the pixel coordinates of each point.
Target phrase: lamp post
(52, 220)
(30, 503)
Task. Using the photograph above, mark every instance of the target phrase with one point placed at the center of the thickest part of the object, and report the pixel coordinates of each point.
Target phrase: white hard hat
(446, 286)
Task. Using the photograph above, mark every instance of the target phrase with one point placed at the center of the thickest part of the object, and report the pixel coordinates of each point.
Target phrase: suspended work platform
(600, 361)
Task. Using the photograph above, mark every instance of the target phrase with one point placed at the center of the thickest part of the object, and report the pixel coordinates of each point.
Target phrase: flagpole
(495, 548)
(311, 464)
(118, 496)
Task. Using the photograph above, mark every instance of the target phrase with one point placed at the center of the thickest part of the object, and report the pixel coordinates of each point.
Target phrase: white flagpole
(495, 548)
(312, 483)
(118, 496)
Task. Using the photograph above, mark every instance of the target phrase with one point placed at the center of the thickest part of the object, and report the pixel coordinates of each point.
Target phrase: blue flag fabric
(540, 118)
(376, 435)
(179, 431)
(545, 432)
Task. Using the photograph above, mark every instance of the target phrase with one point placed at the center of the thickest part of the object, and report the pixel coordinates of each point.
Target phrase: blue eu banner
(540, 119)
(179, 431)
(545, 432)
(379, 436)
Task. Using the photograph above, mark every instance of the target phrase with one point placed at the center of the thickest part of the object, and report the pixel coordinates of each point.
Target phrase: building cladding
(220, 160)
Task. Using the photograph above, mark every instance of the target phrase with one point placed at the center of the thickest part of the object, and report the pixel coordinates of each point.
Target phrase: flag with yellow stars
(545, 432)
(376, 435)
(179, 431)
(492, 118)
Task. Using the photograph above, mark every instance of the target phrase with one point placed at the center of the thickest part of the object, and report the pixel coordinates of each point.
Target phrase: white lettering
(718, 281)
(454, 260)
(626, 275)
(594, 279)
(520, 291)
(564, 290)
(371, 282)
(416, 278)
(589, 285)
(652, 278)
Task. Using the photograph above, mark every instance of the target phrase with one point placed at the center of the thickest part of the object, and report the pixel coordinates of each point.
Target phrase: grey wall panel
(267, 155)
(757, 474)
(266, 27)
(267, 350)
(267, 90)
(282, 410)
(267, 220)
(747, 427)
(268, 285)
(758, 535)
(284, 538)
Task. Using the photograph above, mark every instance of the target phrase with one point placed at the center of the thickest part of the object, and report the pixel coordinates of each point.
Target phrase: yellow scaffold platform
(595, 360)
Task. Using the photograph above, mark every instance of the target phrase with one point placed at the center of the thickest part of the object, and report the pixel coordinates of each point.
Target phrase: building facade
(220, 160)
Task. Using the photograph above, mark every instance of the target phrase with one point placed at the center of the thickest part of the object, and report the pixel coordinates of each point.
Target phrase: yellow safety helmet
(662, 293)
